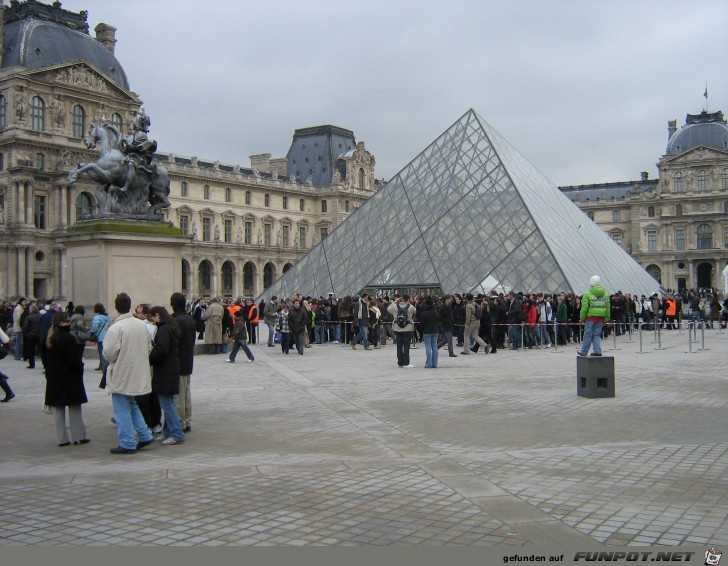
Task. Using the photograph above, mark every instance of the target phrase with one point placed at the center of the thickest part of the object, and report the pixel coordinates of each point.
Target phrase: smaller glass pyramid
(468, 214)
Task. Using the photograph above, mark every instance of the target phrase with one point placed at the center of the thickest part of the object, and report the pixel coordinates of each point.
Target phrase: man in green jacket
(594, 311)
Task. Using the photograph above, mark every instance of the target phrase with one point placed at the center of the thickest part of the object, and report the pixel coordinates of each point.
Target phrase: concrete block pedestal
(595, 377)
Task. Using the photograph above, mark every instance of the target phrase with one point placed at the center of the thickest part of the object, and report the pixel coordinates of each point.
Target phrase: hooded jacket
(595, 304)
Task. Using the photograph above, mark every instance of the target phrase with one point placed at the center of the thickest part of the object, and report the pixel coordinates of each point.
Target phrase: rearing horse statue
(128, 187)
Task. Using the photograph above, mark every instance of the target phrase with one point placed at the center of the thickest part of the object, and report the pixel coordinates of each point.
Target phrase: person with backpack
(473, 314)
(404, 322)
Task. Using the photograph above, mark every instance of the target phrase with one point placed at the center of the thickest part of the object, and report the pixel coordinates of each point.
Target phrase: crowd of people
(146, 357)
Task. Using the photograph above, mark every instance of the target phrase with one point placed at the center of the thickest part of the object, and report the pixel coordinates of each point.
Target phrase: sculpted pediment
(81, 75)
(696, 154)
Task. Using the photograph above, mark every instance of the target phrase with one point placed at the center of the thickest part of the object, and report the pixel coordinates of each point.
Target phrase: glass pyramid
(468, 214)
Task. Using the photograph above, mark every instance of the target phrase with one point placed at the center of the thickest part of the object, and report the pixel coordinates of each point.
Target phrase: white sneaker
(250, 361)
(409, 366)
(336, 341)
(157, 429)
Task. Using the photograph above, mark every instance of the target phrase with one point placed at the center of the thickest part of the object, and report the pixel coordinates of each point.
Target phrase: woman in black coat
(164, 359)
(64, 381)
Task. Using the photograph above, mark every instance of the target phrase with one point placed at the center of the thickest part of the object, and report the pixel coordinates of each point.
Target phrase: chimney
(671, 128)
(644, 175)
(106, 36)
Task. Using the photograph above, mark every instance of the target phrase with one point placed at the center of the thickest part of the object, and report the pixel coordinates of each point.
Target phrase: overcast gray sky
(583, 89)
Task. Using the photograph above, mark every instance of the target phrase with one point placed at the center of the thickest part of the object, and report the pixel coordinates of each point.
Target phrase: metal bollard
(702, 337)
(659, 339)
(690, 342)
(523, 346)
(639, 330)
(614, 335)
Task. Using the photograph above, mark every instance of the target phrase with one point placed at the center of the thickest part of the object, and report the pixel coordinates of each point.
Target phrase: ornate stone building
(246, 225)
(675, 226)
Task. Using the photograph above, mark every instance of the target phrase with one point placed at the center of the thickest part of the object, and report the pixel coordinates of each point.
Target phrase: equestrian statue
(134, 186)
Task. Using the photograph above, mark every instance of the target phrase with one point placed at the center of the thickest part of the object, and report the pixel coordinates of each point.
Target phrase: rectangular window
(679, 238)
(206, 229)
(725, 237)
(302, 236)
(652, 240)
(285, 203)
(206, 192)
(248, 233)
(301, 205)
(39, 212)
(228, 230)
(228, 194)
(286, 236)
(617, 238)
(324, 232)
(266, 234)
(184, 225)
(183, 189)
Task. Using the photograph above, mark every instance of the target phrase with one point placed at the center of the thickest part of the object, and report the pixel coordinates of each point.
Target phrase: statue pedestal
(107, 257)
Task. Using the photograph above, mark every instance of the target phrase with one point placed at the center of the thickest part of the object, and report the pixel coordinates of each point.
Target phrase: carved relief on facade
(82, 77)
(57, 111)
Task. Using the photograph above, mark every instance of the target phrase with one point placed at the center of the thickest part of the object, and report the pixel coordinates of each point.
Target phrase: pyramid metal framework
(468, 214)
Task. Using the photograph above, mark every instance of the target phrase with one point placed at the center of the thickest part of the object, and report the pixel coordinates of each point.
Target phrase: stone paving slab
(342, 447)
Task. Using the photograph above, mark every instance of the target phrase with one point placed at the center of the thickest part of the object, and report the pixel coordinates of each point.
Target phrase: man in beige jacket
(126, 349)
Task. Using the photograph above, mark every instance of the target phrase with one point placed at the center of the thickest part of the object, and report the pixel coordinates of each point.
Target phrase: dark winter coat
(164, 359)
(64, 371)
(297, 318)
(429, 320)
(187, 330)
(446, 319)
(31, 325)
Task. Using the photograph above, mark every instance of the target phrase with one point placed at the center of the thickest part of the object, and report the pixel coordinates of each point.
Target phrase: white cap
(595, 280)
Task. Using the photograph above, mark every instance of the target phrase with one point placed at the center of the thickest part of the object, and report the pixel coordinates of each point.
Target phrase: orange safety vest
(257, 317)
(671, 308)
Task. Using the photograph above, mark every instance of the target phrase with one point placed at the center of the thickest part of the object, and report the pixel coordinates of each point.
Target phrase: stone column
(29, 255)
(19, 201)
(28, 202)
(20, 272)
(63, 208)
(60, 253)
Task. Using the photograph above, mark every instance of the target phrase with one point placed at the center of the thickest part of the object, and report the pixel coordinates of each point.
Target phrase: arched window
(3, 110)
(118, 122)
(79, 121)
(678, 210)
(185, 277)
(287, 267)
(705, 236)
(702, 180)
(269, 273)
(228, 194)
(227, 279)
(361, 179)
(84, 206)
(324, 206)
(248, 197)
(651, 211)
(590, 215)
(248, 274)
(678, 182)
(37, 114)
(266, 200)
(205, 277)
(616, 216)
(301, 205)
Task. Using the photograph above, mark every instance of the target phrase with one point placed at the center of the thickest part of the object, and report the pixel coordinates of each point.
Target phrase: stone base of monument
(106, 257)
(595, 377)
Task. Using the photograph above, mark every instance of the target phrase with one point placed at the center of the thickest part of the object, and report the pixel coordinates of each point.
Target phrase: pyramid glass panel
(469, 213)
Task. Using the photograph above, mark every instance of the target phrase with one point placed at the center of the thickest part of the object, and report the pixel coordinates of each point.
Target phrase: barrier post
(629, 331)
(614, 335)
(523, 345)
(659, 339)
(690, 342)
(556, 340)
(639, 330)
(702, 337)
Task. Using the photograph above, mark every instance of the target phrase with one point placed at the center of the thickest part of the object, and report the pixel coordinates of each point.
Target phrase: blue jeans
(361, 335)
(129, 421)
(271, 333)
(241, 344)
(403, 339)
(514, 335)
(592, 336)
(337, 332)
(172, 427)
(545, 337)
(320, 332)
(431, 353)
(18, 345)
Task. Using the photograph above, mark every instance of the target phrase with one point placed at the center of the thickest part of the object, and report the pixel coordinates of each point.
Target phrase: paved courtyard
(342, 447)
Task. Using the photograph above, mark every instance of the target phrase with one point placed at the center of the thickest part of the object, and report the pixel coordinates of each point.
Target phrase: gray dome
(707, 130)
(35, 44)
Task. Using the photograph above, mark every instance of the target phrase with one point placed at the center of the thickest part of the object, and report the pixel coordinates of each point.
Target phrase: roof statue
(468, 214)
(134, 186)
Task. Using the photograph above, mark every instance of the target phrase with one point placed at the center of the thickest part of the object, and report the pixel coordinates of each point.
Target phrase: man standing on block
(126, 348)
(595, 309)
